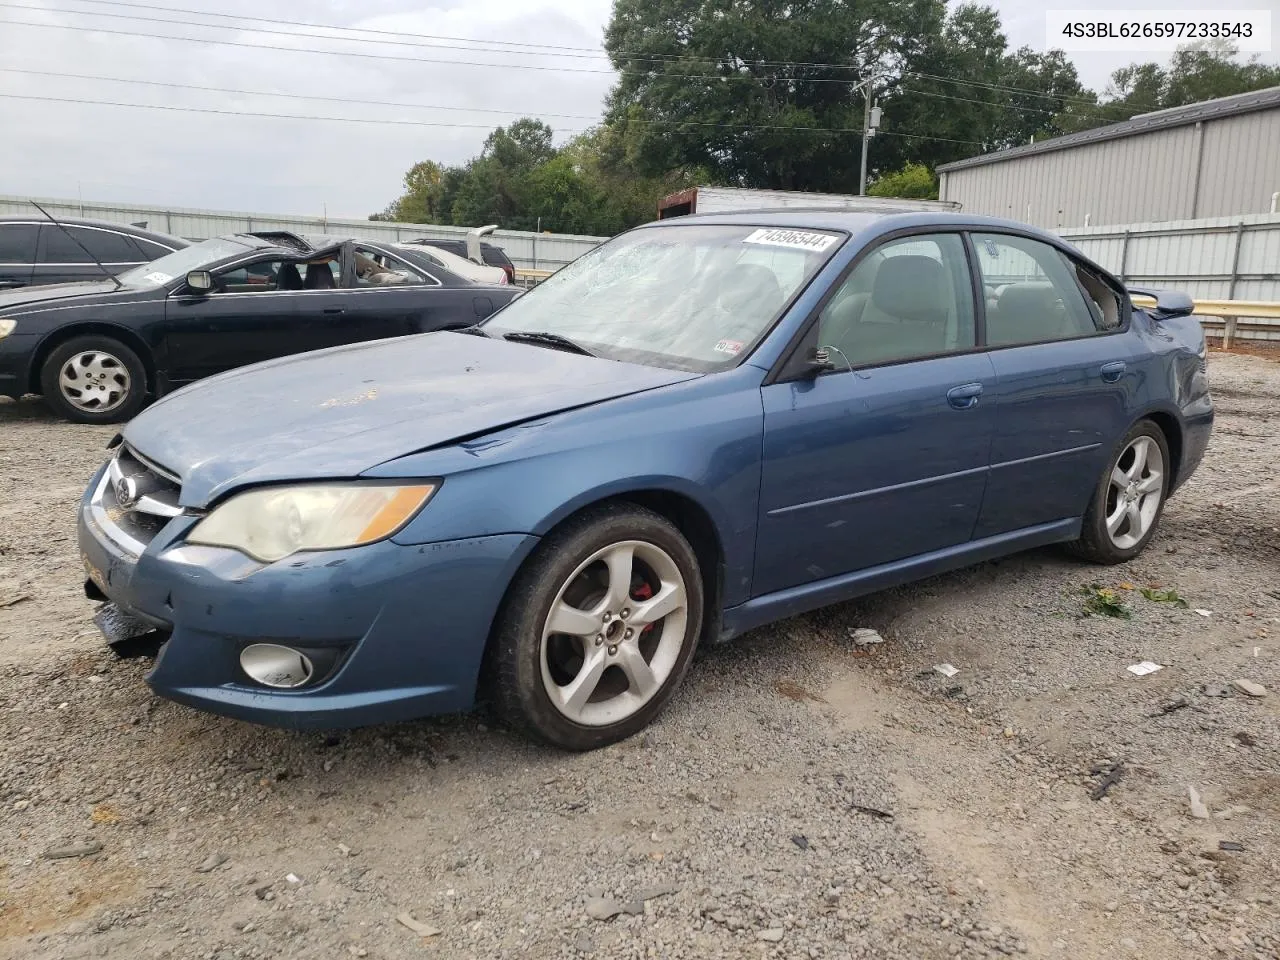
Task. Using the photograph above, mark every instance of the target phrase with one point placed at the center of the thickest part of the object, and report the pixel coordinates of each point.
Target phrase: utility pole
(870, 122)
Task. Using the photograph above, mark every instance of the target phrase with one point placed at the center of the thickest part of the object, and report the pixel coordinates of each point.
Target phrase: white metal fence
(528, 250)
(1224, 258)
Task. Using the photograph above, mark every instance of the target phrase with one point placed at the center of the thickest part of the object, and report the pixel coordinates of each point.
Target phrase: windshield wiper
(548, 339)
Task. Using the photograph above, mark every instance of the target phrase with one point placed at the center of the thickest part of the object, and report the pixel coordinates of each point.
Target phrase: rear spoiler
(1167, 303)
(473, 242)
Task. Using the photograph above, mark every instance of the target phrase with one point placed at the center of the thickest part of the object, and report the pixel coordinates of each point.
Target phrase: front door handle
(330, 311)
(964, 396)
(1111, 372)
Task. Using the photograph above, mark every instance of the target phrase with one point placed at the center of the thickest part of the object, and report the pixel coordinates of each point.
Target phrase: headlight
(271, 523)
(6, 327)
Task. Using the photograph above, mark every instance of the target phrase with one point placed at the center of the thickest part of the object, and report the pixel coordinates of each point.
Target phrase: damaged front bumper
(406, 625)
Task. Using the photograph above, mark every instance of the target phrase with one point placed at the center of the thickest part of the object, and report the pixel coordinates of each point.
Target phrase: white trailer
(728, 199)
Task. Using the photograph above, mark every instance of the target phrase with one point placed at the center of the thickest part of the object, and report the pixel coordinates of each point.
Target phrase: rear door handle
(964, 396)
(334, 310)
(1111, 372)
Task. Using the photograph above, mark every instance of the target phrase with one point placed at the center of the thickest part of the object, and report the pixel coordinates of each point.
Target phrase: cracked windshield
(692, 298)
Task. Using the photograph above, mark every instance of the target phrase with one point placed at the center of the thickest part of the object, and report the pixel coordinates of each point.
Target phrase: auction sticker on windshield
(796, 239)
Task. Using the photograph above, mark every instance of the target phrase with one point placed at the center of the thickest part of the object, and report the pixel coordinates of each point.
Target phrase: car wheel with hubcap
(598, 628)
(94, 379)
(1129, 498)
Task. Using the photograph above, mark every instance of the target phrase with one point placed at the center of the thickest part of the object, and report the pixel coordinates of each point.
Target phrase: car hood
(338, 412)
(22, 297)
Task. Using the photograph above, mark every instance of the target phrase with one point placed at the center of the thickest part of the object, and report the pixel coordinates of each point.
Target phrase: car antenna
(114, 279)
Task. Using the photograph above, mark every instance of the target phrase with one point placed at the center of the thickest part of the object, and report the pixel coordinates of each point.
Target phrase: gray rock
(603, 908)
(771, 935)
(660, 890)
(72, 850)
(1250, 688)
(211, 862)
(1198, 809)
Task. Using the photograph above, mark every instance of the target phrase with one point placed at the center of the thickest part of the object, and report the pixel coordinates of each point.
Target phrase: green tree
(1197, 72)
(915, 181)
(421, 200)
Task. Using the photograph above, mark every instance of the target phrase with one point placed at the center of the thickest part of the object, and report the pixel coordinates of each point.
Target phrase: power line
(362, 102)
(1001, 106)
(436, 123)
(554, 49)
(381, 56)
(534, 48)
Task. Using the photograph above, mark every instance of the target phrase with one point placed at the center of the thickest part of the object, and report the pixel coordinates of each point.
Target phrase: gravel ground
(803, 797)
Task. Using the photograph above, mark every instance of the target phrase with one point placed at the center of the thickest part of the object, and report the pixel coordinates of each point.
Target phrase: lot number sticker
(796, 239)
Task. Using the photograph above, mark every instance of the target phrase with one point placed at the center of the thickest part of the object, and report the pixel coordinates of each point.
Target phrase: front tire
(94, 379)
(598, 629)
(1129, 499)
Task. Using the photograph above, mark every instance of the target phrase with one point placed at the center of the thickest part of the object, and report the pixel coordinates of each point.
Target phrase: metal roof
(1268, 99)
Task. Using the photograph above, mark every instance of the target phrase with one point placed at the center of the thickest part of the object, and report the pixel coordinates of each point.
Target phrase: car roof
(866, 227)
(101, 224)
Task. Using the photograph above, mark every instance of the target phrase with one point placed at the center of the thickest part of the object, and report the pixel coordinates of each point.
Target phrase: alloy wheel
(614, 633)
(94, 381)
(1134, 493)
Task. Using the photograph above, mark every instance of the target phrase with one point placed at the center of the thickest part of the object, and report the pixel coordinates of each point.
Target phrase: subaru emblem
(126, 492)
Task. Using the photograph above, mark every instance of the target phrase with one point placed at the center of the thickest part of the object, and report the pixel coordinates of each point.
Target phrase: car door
(885, 456)
(260, 309)
(1066, 370)
(17, 253)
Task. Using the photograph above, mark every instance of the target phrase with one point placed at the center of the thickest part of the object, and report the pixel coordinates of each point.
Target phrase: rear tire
(597, 630)
(1129, 499)
(94, 379)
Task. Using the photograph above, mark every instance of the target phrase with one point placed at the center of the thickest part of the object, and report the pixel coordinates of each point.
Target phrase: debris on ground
(1105, 602)
(1163, 596)
(1203, 612)
(1169, 708)
(946, 669)
(606, 908)
(1249, 688)
(1231, 846)
(871, 811)
(771, 935)
(1111, 773)
(1198, 808)
(865, 637)
(417, 926)
(794, 691)
(73, 850)
(801, 841)
(1246, 739)
(1144, 668)
(1218, 690)
(211, 862)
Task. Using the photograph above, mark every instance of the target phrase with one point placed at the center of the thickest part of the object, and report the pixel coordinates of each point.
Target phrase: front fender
(529, 478)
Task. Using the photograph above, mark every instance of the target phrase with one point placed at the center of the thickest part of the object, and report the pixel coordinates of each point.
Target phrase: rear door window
(1033, 296)
(18, 243)
(56, 247)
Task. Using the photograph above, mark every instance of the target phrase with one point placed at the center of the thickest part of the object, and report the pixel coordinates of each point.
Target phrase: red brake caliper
(643, 592)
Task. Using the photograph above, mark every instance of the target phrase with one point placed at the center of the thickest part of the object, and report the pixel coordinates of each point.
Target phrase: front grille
(135, 499)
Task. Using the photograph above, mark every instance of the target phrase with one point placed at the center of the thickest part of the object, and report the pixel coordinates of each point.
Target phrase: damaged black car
(97, 350)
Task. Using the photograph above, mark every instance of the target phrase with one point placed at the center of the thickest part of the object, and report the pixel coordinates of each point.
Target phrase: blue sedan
(700, 427)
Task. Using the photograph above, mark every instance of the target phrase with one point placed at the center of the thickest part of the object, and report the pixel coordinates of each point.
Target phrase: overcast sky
(182, 158)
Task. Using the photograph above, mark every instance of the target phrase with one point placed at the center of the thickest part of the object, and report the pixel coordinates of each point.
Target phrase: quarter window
(908, 299)
(376, 269)
(1032, 295)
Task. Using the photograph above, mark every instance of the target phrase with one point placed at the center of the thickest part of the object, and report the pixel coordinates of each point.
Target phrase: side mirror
(818, 363)
(1168, 303)
(200, 281)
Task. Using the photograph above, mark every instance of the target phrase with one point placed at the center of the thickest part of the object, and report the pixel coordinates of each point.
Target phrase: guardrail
(531, 278)
(1223, 317)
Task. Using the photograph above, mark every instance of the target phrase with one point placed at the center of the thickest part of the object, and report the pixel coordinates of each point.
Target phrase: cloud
(275, 165)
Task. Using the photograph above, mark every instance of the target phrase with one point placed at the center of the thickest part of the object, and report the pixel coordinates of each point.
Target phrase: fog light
(273, 665)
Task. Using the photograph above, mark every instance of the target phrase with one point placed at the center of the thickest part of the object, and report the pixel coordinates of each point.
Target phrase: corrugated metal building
(1213, 159)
